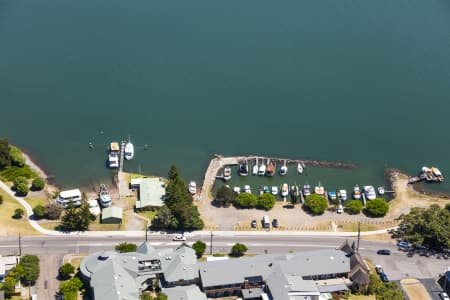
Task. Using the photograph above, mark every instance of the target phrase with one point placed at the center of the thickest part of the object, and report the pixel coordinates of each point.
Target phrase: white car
(444, 296)
(179, 237)
(340, 209)
(94, 208)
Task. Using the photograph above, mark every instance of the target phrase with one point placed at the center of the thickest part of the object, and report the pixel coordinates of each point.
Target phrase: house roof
(112, 212)
(360, 276)
(190, 292)
(151, 192)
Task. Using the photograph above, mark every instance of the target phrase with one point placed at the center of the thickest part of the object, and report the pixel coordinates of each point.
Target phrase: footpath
(140, 233)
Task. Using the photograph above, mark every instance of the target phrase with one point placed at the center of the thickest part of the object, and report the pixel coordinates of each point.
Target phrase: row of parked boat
(261, 169)
(114, 152)
(306, 190)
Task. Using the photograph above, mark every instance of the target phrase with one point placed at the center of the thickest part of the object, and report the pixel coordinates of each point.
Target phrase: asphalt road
(51, 250)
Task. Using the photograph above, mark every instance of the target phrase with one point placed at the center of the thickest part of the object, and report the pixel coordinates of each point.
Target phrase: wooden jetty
(218, 162)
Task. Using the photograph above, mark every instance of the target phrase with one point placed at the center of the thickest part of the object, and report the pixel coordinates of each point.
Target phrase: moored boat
(192, 187)
(332, 195)
(255, 168)
(283, 169)
(319, 189)
(243, 168)
(247, 189)
(104, 197)
(294, 190)
(227, 173)
(343, 195)
(356, 193)
(369, 191)
(274, 190)
(284, 190)
(270, 168)
(380, 190)
(113, 157)
(299, 168)
(266, 189)
(237, 190)
(306, 190)
(262, 169)
(129, 150)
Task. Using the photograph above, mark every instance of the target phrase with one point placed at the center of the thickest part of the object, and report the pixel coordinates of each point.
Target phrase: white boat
(274, 190)
(227, 173)
(129, 150)
(243, 168)
(262, 169)
(294, 191)
(104, 197)
(284, 190)
(94, 208)
(247, 189)
(370, 192)
(343, 195)
(192, 187)
(283, 169)
(356, 193)
(255, 168)
(113, 157)
(319, 189)
(237, 190)
(299, 168)
(306, 190)
(381, 190)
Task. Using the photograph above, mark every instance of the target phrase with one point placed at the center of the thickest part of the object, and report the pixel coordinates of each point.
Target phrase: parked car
(420, 248)
(384, 277)
(253, 224)
(404, 245)
(444, 296)
(379, 269)
(275, 223)
(384, 252)
(179, 237)
(340, 209)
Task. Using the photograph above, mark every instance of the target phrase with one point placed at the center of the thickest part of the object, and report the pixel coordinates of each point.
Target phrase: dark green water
(359, 81)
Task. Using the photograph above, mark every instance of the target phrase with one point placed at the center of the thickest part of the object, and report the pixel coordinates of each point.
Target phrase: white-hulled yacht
(129, 150)
(192, 187)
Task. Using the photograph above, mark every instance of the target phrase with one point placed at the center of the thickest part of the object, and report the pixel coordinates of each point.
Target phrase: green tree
(126, 247)
(428, 227)
(265, 201)
(225, 196)
(173, 173)
(238, 250)
(66, 270)
(146, 296)
(69, 289)
(19, 180)
(447, 206)
(377, 207)
(76, 218)
(39, 211)
(199, 248)
(245, 200)
(22, 189)
(164, 220)
(161, 296)
(16, 157)
(85, 215)
(38, 184)
(53, 211)
(354, 207)
(17, 272)
(31, 268)
(5, 159)
(316, 204)
(18, 213)
(9, 286)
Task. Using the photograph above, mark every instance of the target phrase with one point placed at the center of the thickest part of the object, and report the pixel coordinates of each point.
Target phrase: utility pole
(211, 246)
(146, 231)
(359, 236)
(20, 246)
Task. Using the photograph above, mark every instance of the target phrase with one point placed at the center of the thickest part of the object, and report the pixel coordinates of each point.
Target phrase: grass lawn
(37, 199)
(10, 226)
(149, 215)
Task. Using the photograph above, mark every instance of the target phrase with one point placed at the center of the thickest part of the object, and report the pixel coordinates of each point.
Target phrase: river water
(365, 81)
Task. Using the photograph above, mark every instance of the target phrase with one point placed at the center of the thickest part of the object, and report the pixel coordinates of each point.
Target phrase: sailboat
(129, 150)
(262, 169)
(299, 168)
(255, 168)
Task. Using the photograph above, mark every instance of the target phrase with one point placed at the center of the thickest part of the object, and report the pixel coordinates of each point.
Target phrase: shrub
(354, 207)
(38, 184)
(377, 207)
(17, 158)
(10, 173)
(53, 211)
(18, 213)
(199, 248)
(19, 180)
(245, 200)
(126, 247)
(22, 189)
(238, 250)
(39, 211)
(265, 201)
(69, 289)
(225, 196)
(316, 204)
(66, 270)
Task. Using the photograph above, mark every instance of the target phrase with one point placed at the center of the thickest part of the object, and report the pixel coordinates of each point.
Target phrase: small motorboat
(266, 189)
(262, 169)
(332, 195)
(237, 190)
(343, 195)
(319, 189)
(370, 192)
(255, 168)
(356, 193)
(381, 190)
(247, 189)
(284, 190)
(283, 169)
(274, 190)
(299, 168)
(294, 191)
(129, 150)
(192, 187)
(270, 168)
(227, 173)
(243, 168)
(306, 190)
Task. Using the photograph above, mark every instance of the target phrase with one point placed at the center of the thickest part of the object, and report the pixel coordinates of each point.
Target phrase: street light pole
(211, 246)
(20, 246)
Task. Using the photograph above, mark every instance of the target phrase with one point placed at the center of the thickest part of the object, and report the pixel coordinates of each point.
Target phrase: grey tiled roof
(191, 292)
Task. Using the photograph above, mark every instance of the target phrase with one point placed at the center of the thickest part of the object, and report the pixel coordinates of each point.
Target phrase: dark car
(253, 224)
(384, 252)
(275, 223)
(384, 277)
